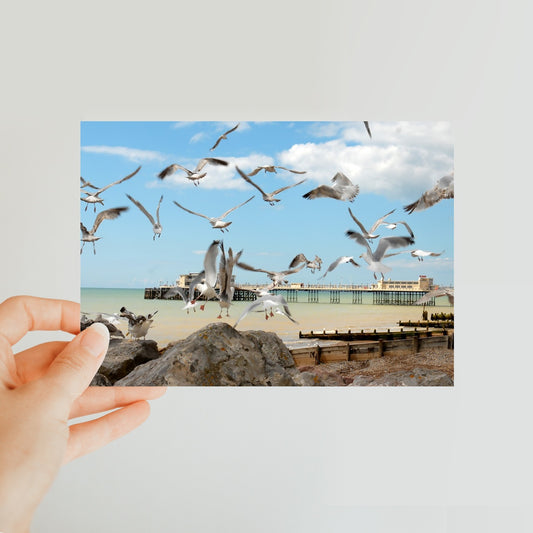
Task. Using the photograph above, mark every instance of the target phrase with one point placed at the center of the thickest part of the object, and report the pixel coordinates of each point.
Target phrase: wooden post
(416, 343)
(347, 351)
(380, 347)
(317, 355)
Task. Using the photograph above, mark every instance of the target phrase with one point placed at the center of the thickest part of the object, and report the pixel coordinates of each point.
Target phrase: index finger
(20, 314)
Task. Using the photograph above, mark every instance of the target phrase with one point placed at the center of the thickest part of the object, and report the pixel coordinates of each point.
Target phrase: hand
(41, 389)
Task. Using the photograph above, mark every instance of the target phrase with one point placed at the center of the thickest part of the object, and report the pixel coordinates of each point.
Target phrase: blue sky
(400, 162)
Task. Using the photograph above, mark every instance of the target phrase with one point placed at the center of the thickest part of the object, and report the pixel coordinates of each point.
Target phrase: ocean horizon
(172, 323)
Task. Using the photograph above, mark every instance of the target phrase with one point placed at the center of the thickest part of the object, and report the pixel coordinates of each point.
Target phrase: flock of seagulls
(210, 278)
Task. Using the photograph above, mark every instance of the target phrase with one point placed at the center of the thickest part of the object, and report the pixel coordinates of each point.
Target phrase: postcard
(269, 253)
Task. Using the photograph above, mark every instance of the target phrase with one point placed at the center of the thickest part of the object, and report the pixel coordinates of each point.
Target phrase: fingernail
(95, 339)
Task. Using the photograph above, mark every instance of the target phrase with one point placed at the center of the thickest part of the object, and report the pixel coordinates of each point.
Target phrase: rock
(418, 377)
(220, 355)
(85, 322)
(100, 380)
(124, 355)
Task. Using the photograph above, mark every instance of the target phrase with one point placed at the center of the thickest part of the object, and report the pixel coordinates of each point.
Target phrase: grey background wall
(374, 460)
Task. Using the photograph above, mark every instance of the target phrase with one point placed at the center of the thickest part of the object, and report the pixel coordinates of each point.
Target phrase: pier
(314, 294)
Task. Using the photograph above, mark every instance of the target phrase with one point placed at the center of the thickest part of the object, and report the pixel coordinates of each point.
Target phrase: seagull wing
(189, 211)
(212, 161)
(277, 191)
(378, 222)
(297, 260)
(357, 237)
(255, 171)
(408, 228)
(358, 223)
(367, 126)
(100, 191)
(173, 291)
(245, 266)
(109, 214)
(170, 170)
(232, 129)
(84, 230)
(391, 242)
(141, 207)
(85, 183)
(248, 309)
(233, 208)
(323, 191)
(210, 265)
(246, 178)
(157, 210)
(294, 171)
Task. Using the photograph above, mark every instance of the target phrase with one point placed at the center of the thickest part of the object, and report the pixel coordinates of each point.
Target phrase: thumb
(73, 369)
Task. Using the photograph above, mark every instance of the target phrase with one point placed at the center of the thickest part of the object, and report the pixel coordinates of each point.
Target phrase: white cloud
(179, 125)
(401, 161)
(132, 154)
(197, 137)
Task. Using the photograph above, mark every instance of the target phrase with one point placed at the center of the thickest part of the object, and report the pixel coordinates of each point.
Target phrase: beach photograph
(269, 253)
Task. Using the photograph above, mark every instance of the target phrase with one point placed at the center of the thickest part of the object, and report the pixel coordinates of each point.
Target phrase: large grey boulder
(124, 355)
(220, 355)
(418, 377)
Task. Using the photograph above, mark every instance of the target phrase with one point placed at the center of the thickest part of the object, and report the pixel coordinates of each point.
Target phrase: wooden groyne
(371, 349)
(370, 335)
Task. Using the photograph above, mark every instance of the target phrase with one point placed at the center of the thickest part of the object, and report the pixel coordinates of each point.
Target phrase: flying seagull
(194, 175)
(340, 261)
(225, 274)
(315, 264)
(435, 293)
(367, 128)
(156, 225)
(420, 254)
(276, 277)
(268, 301)
(138, 325)
(94, 198)
(216, 222)
(369, 235)
(272, 168)
(224, 136)
(190, 302)
(267, 197)
(443, 189)
(89, 236)
(394, 225)
(343, 189)
(373, 259)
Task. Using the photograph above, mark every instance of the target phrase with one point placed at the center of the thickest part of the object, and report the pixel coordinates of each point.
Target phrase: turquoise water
(171, 323)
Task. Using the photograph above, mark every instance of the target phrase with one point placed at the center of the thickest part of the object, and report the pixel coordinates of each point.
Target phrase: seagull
(367, 128)
(420, 254)
(156, 225)
(194, 175)
(138, 325)
(85, 183)
(225, 274)
(315, 264)
(94, 198)
(89, 236)
(204, 281)
(343, 189)
(394, 225)
(276, 277)
(267, 197)
(340, 261)
(443, 189)
(272, 168)
(224, 136)
(189, 303)
(435, 293)
(268, 301)
(216, 222)
(369, 235)
(374, 258)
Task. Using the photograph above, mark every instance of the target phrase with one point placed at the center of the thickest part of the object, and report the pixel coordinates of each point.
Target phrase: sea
(172, 323)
